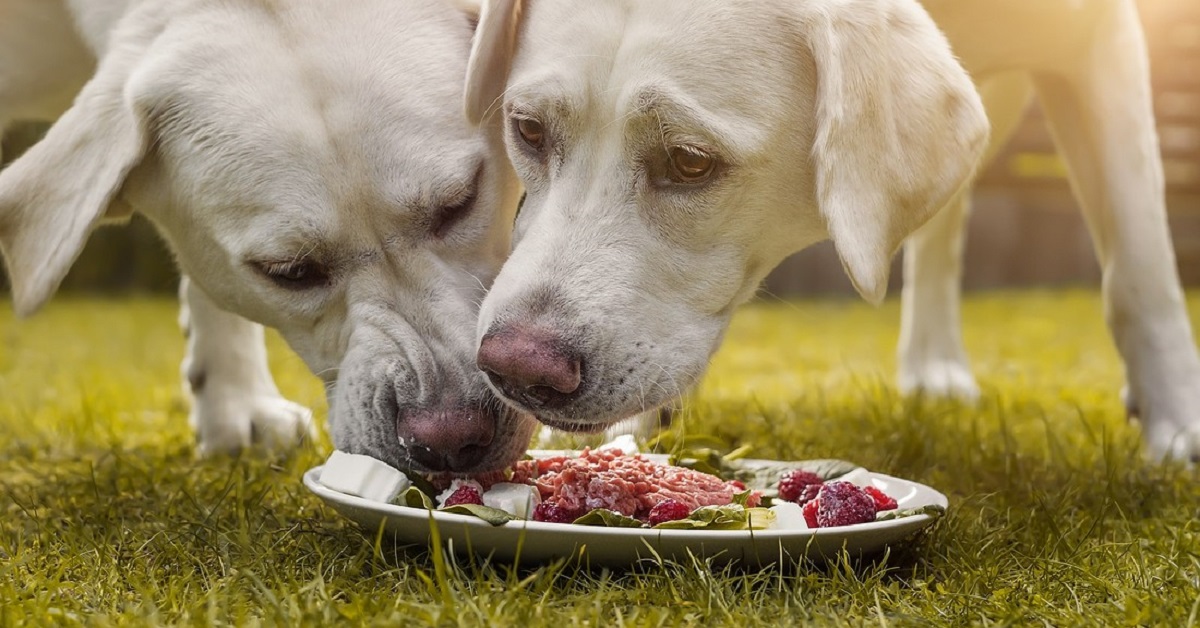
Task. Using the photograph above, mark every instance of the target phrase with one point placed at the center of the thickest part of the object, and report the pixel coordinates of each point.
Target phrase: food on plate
(668, 510)
(883, 501)
(849, 500)
(842, 504)
(700, 489)
(629, 485)
(518, 499)
(462, 492)
(799, 486)
(363, 476)
(789, 516)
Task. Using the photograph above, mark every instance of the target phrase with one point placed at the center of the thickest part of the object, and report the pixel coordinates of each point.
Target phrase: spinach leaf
(933, 510)
(606, 518)
(730, 517)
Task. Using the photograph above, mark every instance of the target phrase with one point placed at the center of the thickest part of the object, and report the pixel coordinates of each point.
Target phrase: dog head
(308, 163)
(676, 154)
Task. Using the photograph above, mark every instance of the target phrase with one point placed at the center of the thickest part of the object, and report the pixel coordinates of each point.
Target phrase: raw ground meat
(630, 485)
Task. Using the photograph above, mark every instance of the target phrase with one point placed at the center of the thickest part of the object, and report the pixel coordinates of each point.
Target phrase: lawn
(1055, 519)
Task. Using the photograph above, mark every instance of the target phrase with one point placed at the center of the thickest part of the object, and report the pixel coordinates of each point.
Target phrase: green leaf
(419, 481)
(414, 498)
(757, 474)
(730, 517)
(494, 516)
(933, 510)
(605, 518)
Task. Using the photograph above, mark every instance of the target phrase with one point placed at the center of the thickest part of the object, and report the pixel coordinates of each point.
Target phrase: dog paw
(943, 379)
(1169, 442)
(266, 422)
(1167, 407)
(1171, 431)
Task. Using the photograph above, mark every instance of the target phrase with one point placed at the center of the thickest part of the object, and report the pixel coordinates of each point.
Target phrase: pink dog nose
(529, 366)
(454, 439)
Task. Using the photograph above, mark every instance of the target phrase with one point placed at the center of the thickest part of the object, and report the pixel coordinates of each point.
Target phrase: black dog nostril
(428, 458)
(540, 395)
(467, 457)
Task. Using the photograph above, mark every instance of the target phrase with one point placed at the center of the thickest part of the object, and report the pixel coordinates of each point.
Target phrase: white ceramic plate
(529, 542)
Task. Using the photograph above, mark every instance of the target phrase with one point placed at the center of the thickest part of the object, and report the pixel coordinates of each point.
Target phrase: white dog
(675, 151)
(308, 163)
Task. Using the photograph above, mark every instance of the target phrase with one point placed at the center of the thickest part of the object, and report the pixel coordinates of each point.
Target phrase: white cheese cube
(788, 516)
(363, 476)
(518, 500)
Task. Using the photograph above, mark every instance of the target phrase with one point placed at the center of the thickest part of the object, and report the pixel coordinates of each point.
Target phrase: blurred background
(1025, 230)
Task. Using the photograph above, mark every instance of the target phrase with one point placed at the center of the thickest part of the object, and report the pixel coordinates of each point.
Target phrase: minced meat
(630, 485)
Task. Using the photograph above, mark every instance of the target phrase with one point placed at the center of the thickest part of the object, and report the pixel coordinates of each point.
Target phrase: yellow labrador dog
(308, 163)
(675, 151)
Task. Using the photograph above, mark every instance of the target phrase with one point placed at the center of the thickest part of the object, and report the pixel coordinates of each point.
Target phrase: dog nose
(530, 366)
(448, 439)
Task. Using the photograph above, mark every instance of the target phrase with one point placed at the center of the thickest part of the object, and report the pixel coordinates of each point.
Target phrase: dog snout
(454, 439)
(531, 366)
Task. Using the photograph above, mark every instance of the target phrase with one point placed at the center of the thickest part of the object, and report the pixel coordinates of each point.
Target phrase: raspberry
(794, 484)
(810, 514)
(553, 513)
(668, 510)
(809, 493)
(883, 501)
(843, 504)
(466, 494)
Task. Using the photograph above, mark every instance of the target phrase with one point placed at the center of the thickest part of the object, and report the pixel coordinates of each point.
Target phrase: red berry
(668, 510)
(810, 514)
(809, 493)
(843, 504)
(553, 513)
(883, 501)
(465, 494)
(793, 485)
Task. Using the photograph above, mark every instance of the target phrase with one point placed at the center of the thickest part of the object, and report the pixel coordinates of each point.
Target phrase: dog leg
(235, 401)
(932, 359)
(1103, 122)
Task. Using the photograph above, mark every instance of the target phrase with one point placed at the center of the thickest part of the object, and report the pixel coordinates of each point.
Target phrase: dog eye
(532, 132)
(298, 274)
(690, 164)
(446, 217)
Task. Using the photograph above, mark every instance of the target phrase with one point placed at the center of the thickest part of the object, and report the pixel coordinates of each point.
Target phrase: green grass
(106, 517)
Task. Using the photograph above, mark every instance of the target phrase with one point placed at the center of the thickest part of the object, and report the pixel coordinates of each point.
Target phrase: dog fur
(862, 121)
(308, 164)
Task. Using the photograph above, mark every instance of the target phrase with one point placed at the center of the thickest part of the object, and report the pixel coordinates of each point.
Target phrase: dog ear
(491, 57)
(900, 129)
(53, 196)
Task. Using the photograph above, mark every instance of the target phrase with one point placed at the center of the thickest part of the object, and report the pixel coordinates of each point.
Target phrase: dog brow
(681, 121)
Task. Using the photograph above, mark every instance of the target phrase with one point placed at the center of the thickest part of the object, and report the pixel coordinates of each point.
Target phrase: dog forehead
(367, 60)
(289, 101)
(738, 61)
